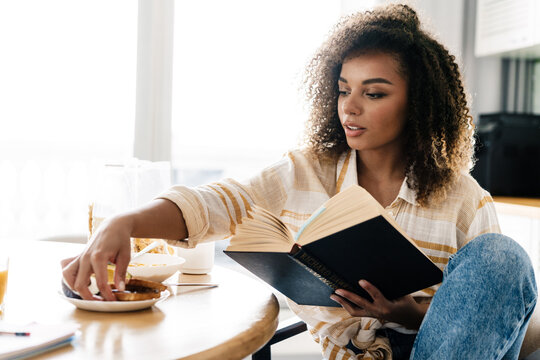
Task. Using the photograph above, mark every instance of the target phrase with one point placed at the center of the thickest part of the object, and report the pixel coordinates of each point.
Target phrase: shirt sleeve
(485, 219)
(212, 211)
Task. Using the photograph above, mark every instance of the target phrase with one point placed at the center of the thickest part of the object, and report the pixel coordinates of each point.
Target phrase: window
(237, 69)
(68, 101)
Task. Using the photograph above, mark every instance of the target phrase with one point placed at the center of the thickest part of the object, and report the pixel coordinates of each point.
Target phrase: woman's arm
(207, 212)
(159, 219)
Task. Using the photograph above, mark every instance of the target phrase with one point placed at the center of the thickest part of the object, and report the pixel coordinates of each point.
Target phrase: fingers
(110, 243)
(375, 294)
(70, 270)
(354, 298)
(122, 262)
(66, 262)
(99, 265)
(348, 306)
(359, 306)
(354, 304)
(82, 279)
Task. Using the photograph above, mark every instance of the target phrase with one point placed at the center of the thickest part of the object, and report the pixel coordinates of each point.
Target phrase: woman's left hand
(405, 310)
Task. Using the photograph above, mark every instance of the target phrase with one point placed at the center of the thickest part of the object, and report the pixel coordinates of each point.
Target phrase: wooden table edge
(247, 342)
(533, 202)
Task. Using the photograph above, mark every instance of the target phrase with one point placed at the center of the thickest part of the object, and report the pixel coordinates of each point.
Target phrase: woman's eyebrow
(370, 81)
(376, 80)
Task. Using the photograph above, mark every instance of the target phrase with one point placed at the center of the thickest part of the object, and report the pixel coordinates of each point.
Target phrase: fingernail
(333, 297)
(362, 283)
(339, 292)
(121, 286)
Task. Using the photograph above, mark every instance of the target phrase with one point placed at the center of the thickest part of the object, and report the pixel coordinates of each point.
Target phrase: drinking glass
(4, 267)
(126, 185)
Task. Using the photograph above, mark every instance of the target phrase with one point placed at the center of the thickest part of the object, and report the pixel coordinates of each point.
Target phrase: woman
(388, 112)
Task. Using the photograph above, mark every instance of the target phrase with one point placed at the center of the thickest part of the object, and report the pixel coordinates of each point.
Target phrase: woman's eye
(375, 95)
(343, 92)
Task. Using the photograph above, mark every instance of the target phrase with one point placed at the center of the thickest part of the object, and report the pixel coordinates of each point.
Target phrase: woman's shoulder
(466, 185)
(312, 169)
(307, 157)
(466, 194)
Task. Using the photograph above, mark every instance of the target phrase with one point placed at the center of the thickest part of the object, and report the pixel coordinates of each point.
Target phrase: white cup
(199, 260)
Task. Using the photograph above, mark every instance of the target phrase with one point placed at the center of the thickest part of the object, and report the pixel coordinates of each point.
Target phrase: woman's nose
(351, 106)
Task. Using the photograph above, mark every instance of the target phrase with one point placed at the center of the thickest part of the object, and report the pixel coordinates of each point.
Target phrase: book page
(347, 208)
(262, 231)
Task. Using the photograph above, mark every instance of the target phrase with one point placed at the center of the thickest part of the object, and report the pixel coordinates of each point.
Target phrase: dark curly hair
(439, 131)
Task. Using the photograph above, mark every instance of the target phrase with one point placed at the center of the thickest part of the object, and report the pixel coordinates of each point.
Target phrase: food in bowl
(155, 267)
(137, 244)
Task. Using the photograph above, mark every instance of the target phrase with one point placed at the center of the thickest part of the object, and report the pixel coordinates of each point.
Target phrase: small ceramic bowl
(155, 267)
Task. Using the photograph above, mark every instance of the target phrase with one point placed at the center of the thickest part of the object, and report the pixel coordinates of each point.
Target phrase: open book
(349, 238)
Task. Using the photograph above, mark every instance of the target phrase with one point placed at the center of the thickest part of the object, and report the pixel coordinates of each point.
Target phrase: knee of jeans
(500, 251)
(504, 256)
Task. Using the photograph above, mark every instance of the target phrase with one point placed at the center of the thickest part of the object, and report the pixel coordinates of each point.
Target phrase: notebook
(42, 338)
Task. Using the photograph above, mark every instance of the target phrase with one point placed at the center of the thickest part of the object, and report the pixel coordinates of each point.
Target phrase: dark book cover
(373, 250)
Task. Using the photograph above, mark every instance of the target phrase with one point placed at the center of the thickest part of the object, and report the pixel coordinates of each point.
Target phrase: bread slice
(137, 290)
(135, 296)
(141, 285)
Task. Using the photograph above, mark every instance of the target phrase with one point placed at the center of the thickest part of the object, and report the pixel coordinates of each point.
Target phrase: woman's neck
(381, 167)
(381, 174)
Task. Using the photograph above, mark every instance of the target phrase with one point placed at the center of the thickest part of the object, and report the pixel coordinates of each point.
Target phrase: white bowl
(155, 267)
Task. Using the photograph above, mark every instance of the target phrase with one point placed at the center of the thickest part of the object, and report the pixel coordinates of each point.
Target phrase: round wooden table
(228, 322)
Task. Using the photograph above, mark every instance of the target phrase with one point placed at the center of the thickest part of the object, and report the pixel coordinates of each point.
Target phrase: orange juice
(3, 286)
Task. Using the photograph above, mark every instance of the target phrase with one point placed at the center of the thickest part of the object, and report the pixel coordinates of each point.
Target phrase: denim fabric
(483, 307)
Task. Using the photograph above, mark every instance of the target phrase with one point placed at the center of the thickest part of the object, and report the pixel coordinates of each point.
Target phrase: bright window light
(68, 100)
(237, 70)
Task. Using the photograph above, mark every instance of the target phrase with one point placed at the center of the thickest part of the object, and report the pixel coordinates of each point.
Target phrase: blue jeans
(483, 307)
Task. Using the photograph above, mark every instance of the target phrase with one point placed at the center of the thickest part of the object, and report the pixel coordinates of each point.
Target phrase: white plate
(114, 306)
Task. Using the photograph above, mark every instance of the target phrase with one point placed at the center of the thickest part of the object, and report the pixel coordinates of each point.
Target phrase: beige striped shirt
(296, 186)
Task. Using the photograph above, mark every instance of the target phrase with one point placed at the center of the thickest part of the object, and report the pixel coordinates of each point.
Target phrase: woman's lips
(352, 131)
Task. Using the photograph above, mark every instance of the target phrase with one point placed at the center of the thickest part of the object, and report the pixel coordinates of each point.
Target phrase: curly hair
(438, 137)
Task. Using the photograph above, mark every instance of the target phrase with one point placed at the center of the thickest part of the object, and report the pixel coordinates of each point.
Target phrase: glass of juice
(4, 265)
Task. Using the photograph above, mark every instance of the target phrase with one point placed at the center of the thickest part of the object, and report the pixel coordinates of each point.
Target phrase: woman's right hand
(159, 219)
(110, 244)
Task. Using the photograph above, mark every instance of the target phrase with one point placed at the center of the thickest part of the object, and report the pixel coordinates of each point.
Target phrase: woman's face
(372, 102)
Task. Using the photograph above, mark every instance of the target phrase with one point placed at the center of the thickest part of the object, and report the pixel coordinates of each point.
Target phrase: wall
(454, 22)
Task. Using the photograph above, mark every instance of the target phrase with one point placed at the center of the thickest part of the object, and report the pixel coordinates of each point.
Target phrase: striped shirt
(296, 186)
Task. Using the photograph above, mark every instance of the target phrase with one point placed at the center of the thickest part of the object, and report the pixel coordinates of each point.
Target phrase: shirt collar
(407, 194)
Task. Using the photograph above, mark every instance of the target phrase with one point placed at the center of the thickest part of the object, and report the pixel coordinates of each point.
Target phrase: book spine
(321, 271)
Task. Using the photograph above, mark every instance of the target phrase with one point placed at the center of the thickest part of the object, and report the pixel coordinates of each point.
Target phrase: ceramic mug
(199, 260)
